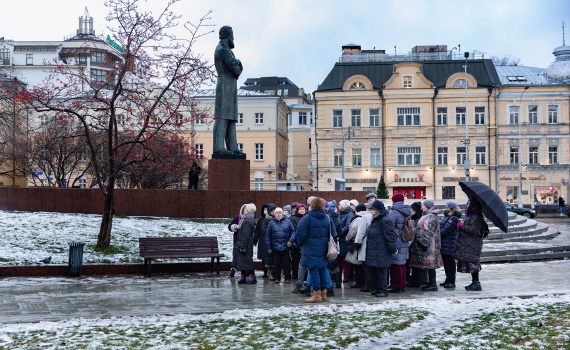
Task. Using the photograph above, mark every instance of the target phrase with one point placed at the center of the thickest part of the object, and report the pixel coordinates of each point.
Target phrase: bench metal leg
(147, 267)
(211, 265)
(218, 266)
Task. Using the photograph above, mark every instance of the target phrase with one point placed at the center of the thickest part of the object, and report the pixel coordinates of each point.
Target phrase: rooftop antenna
(563, 40)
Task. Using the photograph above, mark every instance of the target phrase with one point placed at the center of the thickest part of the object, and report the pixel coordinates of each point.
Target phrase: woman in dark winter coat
(244, 245)
(448, 229)
(425, 253)
(233, 227)
(313, 237)
(346, 215)
(259, 237)
(400, 211)
(380, 245)
(278, 236)
(300, 211)
(470, 243)
(417, 277)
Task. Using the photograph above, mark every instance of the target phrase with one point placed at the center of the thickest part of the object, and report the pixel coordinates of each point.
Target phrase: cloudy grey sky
(302, 40)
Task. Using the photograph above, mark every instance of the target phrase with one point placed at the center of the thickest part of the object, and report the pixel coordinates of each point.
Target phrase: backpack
(408, 232)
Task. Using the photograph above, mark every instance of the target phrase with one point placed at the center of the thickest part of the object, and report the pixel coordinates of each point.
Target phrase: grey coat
(244, 260)
(400, 211)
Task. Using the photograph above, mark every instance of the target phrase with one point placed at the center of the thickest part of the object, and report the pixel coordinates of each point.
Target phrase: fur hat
(451, 205)
(278, 209)
(417, 206)
(428, 204)
(371, 194)
(344, 203)
(354, 202)
(377, 205)
(397, 197)
(250, 207)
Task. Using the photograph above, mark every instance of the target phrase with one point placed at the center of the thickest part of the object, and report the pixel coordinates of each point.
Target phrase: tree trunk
(104, 238)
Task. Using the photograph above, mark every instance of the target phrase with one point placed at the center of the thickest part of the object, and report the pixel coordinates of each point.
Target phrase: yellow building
(407, 117)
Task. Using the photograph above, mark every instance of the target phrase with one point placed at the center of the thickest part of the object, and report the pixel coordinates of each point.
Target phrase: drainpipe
(497, 94)
(315, 107)
(383, 130)
(490, 89)
(433, 143)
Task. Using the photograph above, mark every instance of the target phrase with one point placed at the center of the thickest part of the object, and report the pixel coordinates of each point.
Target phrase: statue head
(227, 33)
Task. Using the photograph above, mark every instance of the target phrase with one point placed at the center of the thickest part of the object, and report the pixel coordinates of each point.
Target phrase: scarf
(243, 217)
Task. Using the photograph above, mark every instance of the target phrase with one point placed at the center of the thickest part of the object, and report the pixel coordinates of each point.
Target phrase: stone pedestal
(228, 174)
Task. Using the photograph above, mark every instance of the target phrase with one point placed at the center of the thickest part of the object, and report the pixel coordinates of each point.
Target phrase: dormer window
(461, 83)
(357, 86)
(407, 82)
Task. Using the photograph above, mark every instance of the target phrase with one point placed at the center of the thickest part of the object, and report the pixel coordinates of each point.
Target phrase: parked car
(529, 213)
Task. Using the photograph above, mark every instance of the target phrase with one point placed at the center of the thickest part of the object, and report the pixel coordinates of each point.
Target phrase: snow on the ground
(29, 237)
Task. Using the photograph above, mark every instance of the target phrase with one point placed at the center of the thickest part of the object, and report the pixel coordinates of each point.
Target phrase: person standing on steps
(561, 203)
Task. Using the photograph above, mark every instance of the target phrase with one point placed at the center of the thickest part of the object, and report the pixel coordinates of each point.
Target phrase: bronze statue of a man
(229, 69)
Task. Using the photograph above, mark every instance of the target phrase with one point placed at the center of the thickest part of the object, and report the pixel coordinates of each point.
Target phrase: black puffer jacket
(381, 240)
(470, 241)
(448, 229)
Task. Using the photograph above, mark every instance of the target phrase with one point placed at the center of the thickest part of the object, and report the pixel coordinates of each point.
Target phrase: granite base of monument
(228, 174)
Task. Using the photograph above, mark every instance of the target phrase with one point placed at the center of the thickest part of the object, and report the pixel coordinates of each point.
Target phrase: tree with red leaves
(131, 114)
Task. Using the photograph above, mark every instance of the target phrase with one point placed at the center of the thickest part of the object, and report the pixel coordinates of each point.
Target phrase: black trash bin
(76, 258)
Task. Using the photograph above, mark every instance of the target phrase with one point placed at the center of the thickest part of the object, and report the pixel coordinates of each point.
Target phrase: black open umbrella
(493, 207)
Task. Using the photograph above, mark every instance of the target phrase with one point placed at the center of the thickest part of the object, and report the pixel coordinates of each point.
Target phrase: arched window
(357, 86)
(460, 83)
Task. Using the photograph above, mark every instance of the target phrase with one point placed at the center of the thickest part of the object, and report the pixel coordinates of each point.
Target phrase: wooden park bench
(180, 247)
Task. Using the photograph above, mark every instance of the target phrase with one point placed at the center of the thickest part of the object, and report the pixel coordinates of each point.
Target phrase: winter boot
(252, 280)
(474, 286)
(330, 292)
(338, 280)
(316, 298)
(232, 272)
(242, 279)
(297, 289)
(324, 295)
(306, 290)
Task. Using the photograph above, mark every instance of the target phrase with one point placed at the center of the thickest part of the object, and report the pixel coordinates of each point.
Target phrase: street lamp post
(520, 150)
(467, 162)
(345, 135)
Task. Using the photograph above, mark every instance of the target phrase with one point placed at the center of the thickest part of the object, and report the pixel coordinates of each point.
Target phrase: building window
(461, 155)
(302, 118)
(357, 86)
(29, 59)
(285, 92)
(448, 192)
(259, 186)
(355, 117)
(407, 82)
(82, 182)
(512, 193)
(481, 155)
(240, 147)
(442, 154)
(479, 115)
(311, 118)
(460, 115)
(553, 154)
(441, 115)
(514, 155)
(199, 150)
(408, 116)
(337, 118)
(514, 114)
(121, 120)
(533, 155)
(374, 116)
(310, 143)
(375, 157)
(533, 114)
(97, 57)
(258, 118)
(552, 114)
(461, 83)
(259, 151)
(337, 157)
(240, 118)
(357, 157)
(44, 119)
(5, 57)
(409, 155)
(98, 76)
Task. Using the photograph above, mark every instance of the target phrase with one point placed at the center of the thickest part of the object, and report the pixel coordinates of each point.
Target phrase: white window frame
(408, 116)
(199, 150)
(409, 156)
(442, 155)
(532, 115)
(514, 114)
(29, 59)
(356, 118)
(240, 119)
(460, 115)
(480, 113)
(337, 118)
(460, 155)
(356, 156)
(552, 114)
(258, 118)
(374, 117)
(407, 82)
(481, 155)
(302, 118)
(259, 186)
(514, 154)
(375, 157)
(533, 154)
(82, 182)
(553, 155)
(442, 116)
(337, 157)
(259, 151)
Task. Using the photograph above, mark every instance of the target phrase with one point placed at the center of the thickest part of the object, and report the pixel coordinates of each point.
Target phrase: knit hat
(332, 205)
(278, 209)
(398, 197)
(344, 203)
(310, 199)
(377, 205)
(250, 207)
(417, 206)
(371, 194)
(287, 207)
(354, 202)
(326, 203)
(299, 206)
(428, 204)
(360, 207)
(294, 205)
(451, 205)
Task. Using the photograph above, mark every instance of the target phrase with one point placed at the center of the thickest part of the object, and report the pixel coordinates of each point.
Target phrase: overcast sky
(302, 40)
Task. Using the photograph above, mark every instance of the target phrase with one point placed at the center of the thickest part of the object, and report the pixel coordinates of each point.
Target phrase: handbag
(332, 251)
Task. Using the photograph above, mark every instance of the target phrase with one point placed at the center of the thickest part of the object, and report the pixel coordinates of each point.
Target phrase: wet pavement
(26, 299)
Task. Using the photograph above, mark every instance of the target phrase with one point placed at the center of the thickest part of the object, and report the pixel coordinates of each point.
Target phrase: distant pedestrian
(470, 243)
(561, 203)
(194, 176)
